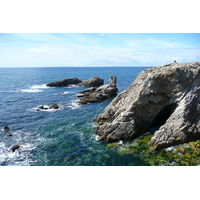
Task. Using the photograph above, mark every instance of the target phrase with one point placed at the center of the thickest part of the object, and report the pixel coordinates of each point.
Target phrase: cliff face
(165, 96)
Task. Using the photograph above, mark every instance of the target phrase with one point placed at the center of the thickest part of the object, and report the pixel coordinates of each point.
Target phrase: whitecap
(35, 89)
(71, 86)
(74, 105)
(31, 90)
(64, 92)
(120, 142)
(43, 86)
(97, 137)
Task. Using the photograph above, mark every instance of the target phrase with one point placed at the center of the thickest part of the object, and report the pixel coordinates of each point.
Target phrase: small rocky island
(64, 82)
(96, 94)
(166, 97)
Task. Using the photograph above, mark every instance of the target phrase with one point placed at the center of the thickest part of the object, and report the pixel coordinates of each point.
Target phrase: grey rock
(94, 94)
(64, 82)
(92, 82)
(164, 96)
(14, 147)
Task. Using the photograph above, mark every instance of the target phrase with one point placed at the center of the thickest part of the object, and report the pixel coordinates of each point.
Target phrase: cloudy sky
(109, 49)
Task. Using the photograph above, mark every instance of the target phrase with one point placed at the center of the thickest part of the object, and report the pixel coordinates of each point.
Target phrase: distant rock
(92, 82)
(64, 82)
(45, 107)
(98, 94)
(6, 128)
(14, 147)
(166, 96)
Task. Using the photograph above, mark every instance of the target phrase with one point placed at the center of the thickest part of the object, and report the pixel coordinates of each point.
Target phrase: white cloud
(50, 49)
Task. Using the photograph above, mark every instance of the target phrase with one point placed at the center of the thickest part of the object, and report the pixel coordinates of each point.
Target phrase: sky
(97, 49)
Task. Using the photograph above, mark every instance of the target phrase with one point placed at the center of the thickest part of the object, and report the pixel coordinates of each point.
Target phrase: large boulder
(167, 97)
(92, 82)
(64, 82)
(94, 94)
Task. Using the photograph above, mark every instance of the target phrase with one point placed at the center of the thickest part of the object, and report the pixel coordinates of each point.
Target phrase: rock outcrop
(92, 82)
(45, 107)
(64, 82)
(94, 94)
(167, 97)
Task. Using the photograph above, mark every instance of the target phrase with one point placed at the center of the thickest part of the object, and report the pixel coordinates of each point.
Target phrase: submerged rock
(98, 94)
(64, 82)
(167, 97)
(92, 82)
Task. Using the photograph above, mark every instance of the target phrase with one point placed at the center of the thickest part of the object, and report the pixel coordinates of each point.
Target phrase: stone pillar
(113, 80)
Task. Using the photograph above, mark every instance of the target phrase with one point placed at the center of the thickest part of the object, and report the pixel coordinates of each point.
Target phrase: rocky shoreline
(166, 96)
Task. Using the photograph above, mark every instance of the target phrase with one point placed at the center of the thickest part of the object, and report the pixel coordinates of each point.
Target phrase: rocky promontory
(96, 94)
(166, 97)
(64, 82)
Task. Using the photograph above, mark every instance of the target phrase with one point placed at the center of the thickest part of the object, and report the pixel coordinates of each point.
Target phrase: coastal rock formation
(64, 82)
(44, 107)
(92, 82)
(93, 94)
(166, 96)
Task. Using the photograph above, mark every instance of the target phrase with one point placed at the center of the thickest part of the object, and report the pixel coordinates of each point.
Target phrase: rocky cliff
(166, 97)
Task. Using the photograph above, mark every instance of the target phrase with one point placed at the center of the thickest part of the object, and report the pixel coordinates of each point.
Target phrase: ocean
(66, 136)
(63, 137)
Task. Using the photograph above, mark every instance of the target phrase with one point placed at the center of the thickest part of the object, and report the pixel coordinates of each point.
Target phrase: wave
(72, 86)
(74, 105)
(35, 88)
(64, 92)
(21, 156)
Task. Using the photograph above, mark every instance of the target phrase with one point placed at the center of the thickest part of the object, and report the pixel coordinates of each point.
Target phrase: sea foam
(35, 88)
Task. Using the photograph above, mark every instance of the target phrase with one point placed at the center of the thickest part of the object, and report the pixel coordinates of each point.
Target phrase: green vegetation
(187, 154)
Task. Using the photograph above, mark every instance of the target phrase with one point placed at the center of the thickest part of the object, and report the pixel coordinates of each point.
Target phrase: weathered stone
(165, 96)
(92, 82)
(94, 94)
(14, 147)
(64, 82)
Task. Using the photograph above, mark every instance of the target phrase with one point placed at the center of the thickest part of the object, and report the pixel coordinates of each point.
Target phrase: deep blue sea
(65, 136)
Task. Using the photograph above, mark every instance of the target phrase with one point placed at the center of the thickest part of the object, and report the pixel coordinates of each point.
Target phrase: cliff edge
(166, 97)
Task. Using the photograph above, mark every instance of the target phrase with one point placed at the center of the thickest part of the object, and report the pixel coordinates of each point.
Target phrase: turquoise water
(61, 137)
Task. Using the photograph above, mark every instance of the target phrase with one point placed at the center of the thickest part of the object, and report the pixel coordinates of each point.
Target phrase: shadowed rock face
(92, 82)
(168, 96)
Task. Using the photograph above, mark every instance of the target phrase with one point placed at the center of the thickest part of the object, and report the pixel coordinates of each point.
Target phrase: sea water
(56, 137)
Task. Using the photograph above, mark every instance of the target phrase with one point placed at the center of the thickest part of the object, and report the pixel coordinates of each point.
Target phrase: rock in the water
(6, 128)
(165, 96)
(64, 82)
(14, 147)
(92, 82)
(54, 106)
(45, 107)
(98, 94)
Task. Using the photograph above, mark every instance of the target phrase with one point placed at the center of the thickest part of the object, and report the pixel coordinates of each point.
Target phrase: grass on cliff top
(187, 154)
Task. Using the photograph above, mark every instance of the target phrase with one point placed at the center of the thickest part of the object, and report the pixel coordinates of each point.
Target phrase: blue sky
(97, 49)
